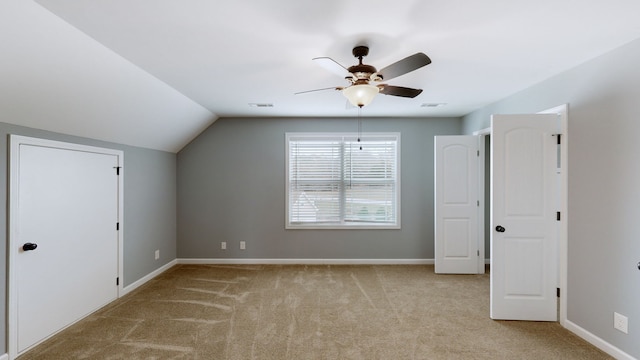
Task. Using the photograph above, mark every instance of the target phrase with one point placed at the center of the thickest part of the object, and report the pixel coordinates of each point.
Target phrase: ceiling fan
(365, 80)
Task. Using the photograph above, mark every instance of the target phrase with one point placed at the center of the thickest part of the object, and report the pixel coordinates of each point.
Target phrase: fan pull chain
(359, 125)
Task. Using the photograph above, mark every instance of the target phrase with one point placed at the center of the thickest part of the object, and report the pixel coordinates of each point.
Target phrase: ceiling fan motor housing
(361, 71)
(360, 51)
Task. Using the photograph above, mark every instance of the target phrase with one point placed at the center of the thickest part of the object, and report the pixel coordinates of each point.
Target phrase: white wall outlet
(620, 322)
(243, 245)
(157, 254)
(223, 245)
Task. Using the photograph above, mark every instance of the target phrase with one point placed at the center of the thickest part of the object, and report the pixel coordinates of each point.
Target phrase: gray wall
(149, 207)
(231, 187)
(604, 178)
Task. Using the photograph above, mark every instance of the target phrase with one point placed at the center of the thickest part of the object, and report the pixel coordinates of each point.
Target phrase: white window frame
(343, 225)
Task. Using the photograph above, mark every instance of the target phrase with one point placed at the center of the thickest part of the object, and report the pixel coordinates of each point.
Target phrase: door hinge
(117, 281)
(559, 137)
(117, 169)
(117, 226)
(478, 202)
(478, 152)
(558, 292)
(558, 216)
(478, 252)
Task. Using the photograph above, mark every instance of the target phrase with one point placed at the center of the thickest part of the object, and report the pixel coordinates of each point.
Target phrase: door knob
(500, 228)
(29, 246)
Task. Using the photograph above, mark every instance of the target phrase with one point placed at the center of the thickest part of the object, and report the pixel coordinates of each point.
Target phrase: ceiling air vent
(432, 105)
(261, 105)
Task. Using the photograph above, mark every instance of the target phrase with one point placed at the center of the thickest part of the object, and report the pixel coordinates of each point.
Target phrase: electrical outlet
(223, 245)
(157, 254)
(620, 322)
(243, 245)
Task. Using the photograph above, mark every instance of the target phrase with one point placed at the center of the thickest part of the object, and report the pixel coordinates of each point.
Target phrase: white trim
(218, 261)
(136, 284)
(4, 357)
(14, 157)
(485, 131)
(597, 342)
(121, 227)
(482, 197)
(563, 240)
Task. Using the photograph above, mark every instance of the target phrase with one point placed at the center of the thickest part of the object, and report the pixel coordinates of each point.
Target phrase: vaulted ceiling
(155, 73)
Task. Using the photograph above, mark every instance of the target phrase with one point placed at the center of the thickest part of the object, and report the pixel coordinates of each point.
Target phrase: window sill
(342, 227)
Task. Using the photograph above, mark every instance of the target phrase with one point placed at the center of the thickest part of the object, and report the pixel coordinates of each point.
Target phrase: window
(336, 181)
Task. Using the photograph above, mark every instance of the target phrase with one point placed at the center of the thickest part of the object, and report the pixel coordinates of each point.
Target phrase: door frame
(563, 258)
(563, 112)
(14, 157)
(482, 159)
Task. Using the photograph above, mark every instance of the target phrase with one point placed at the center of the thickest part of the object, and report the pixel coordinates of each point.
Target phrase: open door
(457, 206)
(524, 205)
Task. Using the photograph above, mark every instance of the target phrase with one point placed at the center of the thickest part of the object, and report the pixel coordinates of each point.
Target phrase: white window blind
(334, 180)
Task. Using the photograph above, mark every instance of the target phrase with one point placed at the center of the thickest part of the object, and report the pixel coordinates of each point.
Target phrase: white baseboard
(4, 357)
(129, 288)
(598, 342)
(219, 261)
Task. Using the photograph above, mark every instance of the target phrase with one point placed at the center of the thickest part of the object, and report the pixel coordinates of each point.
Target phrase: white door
(66, 203)
(523, 217)
(457, 202)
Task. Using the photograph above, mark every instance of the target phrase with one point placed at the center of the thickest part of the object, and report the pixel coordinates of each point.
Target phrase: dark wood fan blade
(314, 90)
(333, 66)
(404, 66)
(399, 91)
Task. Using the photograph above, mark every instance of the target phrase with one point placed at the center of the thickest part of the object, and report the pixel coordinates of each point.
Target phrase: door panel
(524, 256)
(456, 231)
(456, 205)
(68, 206)
(524, 204)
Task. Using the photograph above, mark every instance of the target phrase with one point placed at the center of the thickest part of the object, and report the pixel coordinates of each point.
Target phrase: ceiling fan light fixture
(360, 95)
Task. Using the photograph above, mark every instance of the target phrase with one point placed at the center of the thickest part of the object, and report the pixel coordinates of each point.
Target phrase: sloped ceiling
(54, 77)
(155, 73)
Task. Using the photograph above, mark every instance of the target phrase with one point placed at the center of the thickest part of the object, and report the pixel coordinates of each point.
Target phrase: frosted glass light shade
(360, 95)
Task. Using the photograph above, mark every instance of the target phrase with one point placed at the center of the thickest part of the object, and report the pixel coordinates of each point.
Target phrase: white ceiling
(54, 77)
(225, 55)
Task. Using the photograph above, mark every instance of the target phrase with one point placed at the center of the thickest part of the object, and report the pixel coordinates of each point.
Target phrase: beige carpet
(309, 312)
